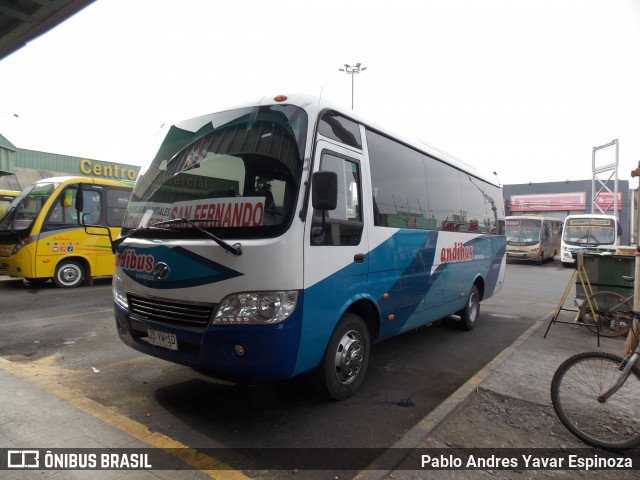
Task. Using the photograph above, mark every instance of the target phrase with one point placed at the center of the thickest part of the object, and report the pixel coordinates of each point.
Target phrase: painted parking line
(205, 463)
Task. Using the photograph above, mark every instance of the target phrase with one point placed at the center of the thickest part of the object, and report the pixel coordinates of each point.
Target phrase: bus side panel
(437, 281)
(415, 277)
(401, 280)
(56, 245)
(104, 259)
(342, 283)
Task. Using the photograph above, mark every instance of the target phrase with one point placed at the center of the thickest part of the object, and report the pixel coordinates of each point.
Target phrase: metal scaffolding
(600, 200)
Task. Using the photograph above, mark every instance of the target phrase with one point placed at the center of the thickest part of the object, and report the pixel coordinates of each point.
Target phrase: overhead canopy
(23, 20)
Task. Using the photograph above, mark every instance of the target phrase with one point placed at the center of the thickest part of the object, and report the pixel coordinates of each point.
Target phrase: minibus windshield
(589, 231)
(235, 173)
(523, 232)
(24, 210)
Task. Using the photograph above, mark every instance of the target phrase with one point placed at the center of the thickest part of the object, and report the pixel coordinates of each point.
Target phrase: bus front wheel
(69, 274)
(346, 359)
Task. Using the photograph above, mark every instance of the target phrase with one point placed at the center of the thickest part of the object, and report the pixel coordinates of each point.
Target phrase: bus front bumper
(522, 255)
(236, 353)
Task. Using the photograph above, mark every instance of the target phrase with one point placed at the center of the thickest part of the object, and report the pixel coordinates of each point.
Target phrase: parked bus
(581, 232)
(6, 197)
(41, 238)
(286, 236)
(533, 237)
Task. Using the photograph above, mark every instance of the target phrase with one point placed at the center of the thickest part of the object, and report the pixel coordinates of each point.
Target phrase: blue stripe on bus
(400, 267)
(186, 268)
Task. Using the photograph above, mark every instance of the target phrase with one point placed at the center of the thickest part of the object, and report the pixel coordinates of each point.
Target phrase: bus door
(62, 236)
(335, 259)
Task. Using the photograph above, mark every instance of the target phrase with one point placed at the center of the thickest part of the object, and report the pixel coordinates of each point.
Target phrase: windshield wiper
(154, 226)
(236, 249)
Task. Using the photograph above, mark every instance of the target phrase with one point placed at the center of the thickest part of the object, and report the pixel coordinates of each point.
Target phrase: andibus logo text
(130, 260)
(458, 253)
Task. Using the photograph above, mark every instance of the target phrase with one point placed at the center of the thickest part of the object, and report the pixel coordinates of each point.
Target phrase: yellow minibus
(41, 238)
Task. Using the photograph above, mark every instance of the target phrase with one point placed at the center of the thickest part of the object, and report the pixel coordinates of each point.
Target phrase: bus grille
(176, 314)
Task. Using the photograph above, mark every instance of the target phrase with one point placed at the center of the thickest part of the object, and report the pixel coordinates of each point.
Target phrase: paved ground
(505, 405)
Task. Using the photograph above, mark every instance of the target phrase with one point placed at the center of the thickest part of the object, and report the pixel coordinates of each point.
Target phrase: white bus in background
(581, 232)
(533, 237)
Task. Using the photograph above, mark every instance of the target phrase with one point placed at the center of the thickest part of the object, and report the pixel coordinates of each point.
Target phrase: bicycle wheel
(608, 311)
(576, 385)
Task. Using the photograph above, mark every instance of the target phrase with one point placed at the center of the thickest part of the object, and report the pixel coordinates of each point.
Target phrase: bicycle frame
(626, 365)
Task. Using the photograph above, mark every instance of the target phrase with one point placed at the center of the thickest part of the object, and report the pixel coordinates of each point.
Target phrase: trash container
(604, 271)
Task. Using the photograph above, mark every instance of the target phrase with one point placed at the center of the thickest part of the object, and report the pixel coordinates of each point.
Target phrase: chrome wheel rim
(349, 357)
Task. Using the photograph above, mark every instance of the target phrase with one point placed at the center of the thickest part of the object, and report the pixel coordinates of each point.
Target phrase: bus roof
(314, 104)
(534, 215)
(94, 180)
(592, 215)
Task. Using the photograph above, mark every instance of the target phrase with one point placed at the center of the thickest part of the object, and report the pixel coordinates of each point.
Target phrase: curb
(395, 454)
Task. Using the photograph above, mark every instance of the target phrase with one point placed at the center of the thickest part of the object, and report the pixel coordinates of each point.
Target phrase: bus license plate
(162, 339)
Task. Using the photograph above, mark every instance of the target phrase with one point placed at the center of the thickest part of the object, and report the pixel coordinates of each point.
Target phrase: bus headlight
(119, 295)
(256, 308)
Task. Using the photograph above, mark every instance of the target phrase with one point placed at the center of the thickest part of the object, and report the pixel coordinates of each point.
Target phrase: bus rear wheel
(346, 359)
(69, 274)
(470, 313)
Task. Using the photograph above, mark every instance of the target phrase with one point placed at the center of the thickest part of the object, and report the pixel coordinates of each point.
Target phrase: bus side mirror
(67, 200)
(324, 190)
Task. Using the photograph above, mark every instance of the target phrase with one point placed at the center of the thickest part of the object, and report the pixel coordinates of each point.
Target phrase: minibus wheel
(470, 313)
(346, 359)
(69, 274)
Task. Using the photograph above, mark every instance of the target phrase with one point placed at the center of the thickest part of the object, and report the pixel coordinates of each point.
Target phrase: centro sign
(113, 170)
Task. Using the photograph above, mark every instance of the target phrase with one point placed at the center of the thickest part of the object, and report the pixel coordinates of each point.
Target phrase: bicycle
(607, 313)
(596, 395)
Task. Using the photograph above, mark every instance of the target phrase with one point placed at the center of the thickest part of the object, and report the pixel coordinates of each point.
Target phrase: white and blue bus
(287, 235)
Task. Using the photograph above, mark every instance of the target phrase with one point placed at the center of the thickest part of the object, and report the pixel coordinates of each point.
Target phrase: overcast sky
(522, 88)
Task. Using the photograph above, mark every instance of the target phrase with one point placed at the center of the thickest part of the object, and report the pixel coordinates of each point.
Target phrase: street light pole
(352, 70)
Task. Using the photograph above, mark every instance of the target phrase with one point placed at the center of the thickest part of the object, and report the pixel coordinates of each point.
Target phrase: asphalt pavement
(522, 373)
(37, 413)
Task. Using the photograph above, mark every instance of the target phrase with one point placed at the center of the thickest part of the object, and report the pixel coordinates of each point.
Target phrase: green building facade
(20, 167)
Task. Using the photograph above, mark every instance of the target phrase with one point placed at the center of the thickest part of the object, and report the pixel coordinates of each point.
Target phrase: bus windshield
(589, 231)
(523, 232)
(26, 207)
(234, 173)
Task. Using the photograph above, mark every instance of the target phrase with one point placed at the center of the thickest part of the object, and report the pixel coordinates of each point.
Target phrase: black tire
(346, 359)
(607, 313)
(68, 274)
(470, 313)
(611, 425)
